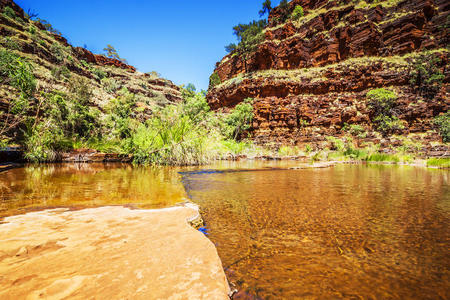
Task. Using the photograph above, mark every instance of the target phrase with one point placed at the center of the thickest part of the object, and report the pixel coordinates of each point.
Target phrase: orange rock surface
(108, 253)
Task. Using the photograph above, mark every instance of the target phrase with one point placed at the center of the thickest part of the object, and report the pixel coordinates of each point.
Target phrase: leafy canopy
(111, 52)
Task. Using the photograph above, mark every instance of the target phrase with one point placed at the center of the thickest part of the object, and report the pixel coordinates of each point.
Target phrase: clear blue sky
(182, 40)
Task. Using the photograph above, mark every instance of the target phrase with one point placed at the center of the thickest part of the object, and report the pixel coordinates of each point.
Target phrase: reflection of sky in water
(349, 231)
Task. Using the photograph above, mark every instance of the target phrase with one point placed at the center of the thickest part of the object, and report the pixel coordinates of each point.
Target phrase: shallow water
(88, 185)
(36, 187)
(351, 231)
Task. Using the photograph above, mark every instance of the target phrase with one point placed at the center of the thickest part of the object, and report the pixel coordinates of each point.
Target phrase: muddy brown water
(347, 232)
(350, 231)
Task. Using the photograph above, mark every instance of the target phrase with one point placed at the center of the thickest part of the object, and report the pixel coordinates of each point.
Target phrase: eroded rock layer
(310, 77)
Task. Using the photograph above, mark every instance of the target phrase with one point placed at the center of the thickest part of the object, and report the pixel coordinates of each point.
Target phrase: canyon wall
(309, 77)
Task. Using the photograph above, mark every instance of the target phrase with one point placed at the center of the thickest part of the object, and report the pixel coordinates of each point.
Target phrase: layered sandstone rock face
(310, 77)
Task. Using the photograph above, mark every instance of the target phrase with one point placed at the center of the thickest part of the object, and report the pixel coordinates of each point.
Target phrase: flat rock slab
(108, 253)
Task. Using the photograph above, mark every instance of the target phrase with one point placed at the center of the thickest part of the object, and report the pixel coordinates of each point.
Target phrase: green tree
(284, 10)
(231, 47)
(249, 36)
(111, 52)
(443, 125)
(266, 8)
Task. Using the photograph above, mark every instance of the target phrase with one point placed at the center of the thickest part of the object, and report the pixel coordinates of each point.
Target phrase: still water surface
(352, 232)
(88, 185)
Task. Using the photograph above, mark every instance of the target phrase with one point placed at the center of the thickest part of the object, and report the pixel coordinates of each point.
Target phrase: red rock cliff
(309, 77)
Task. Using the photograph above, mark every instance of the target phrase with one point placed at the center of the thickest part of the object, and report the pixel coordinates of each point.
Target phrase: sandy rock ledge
(108, 253)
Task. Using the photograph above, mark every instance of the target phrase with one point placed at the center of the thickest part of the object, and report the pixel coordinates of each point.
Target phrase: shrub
(61, 72)
(232, 47)
(288, 151)
(57, 51)
(381, 101)
(387, 125)
(298, 12)
(16, 72)
(239, 119)
(249, 35)
(443, 124)
(120, 114)
(111, 85)
(99, 74)
(43, 141)
(170, 138)
(381, 104)
(32, 30)
(11, 44)
(195, 107)
(214, 80)
(9, 12)
(355, 130)
(426, 77)
(379, 157)
(234, 147)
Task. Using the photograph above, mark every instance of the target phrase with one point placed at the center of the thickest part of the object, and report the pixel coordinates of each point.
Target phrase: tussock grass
(439, 162)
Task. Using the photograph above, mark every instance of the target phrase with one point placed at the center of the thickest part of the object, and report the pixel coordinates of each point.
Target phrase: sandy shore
(108, 253)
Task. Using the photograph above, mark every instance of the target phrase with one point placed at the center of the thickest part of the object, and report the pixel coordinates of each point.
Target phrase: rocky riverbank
(109, 252)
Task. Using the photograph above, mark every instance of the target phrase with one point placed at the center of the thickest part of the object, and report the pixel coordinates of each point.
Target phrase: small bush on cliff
(111, 85)
(60, 73)
(98, 74)
(443, 124)
(57, 51)
(17, 72)
(11, 44)
(9, 12)
(381, 104)
(298, 12)
(111, 52)
(426, 77)
(239, 119)
(214, 80)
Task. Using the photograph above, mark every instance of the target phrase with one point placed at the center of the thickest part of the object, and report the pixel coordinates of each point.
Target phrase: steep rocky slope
(57, 66)
(309, 77)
